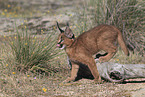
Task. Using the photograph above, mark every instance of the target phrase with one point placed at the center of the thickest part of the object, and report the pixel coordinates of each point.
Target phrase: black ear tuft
(59, 28)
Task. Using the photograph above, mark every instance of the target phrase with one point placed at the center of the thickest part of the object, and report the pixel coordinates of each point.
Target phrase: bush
(127, 15)
(31, 52)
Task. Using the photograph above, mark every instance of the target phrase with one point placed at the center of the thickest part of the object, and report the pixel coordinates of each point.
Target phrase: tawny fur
(81, 49)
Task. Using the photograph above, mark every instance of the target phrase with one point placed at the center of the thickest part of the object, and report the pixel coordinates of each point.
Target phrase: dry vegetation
(31, 66)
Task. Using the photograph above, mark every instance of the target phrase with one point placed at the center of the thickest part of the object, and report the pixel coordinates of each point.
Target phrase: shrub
(127, 15)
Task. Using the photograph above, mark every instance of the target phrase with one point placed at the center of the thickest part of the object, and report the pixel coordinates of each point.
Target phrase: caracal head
(65, 38)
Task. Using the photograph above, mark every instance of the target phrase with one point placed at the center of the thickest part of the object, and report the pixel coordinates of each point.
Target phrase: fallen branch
(116, 72)
(113, 72)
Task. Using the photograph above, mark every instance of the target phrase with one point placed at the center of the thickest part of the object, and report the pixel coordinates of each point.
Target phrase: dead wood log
(113, 72)
(116, 72)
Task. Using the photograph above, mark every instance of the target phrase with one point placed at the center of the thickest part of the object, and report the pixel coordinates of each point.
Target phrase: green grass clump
(31, 52)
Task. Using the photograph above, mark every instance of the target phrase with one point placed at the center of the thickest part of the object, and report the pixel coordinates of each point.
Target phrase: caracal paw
(68, 80)
(102, 59)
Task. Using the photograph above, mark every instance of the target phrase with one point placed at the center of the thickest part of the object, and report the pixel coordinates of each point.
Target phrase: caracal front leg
(74, 71)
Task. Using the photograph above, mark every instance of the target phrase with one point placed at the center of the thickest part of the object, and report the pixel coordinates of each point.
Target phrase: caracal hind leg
(111, 50)
(90, 62)
(74, 71)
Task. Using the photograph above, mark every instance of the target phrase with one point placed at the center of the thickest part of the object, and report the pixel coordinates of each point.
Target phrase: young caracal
(82, 49)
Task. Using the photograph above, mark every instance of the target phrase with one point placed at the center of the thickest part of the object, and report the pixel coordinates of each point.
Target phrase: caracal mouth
(61, 46)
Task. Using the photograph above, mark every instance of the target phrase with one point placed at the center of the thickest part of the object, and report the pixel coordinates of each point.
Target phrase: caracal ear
(61, 31)
(68, 32)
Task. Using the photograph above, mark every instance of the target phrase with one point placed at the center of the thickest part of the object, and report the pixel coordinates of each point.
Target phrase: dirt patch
(42, 16)
(88, 88)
